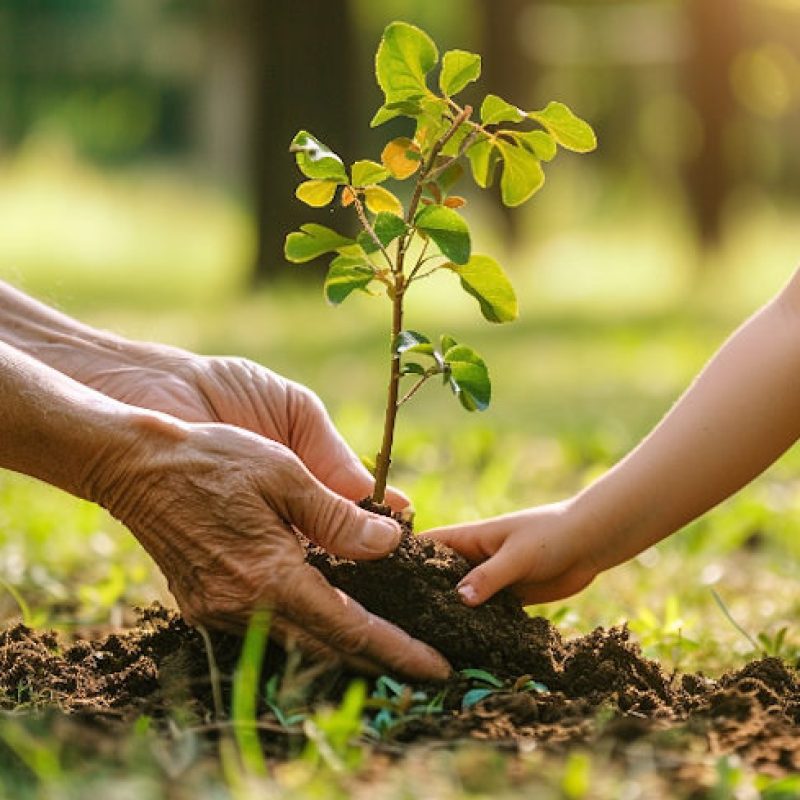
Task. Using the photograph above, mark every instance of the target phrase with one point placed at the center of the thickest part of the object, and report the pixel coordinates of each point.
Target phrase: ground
(577, 381)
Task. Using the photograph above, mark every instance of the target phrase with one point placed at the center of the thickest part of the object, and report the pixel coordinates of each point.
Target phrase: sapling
(401, 244)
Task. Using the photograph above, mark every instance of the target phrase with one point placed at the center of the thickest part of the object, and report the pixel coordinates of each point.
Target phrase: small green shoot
(764, 643)
(332, 733)
(664, 637)
(397, 703)
(273, 699)
(245, 695)
(489, 684)
(401, 243)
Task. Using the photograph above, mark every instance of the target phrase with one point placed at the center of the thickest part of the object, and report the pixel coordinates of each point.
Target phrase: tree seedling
(401, 244)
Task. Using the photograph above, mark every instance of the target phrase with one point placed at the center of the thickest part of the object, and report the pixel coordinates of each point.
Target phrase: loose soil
(601, 690)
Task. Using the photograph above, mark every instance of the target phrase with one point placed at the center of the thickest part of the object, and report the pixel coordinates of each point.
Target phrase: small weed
(332, 733)
(397, 703)
(489, 684)
(664, 638)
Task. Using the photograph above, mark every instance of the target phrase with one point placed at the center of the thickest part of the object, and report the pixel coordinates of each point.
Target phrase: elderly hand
(239, 392)
(192, 388)
(216, 507)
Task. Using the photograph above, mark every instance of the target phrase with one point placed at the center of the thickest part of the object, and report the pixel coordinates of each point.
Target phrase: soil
(600, 689)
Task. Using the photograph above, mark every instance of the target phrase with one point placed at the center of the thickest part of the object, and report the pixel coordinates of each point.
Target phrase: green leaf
(494, 109)
(469, 377)
(541, 144)
(458, 69)
(453, 144)
(483, 157)
(405, 56)
(432, 122)
(367, 173)
(316, 193)
(567, 129)
(474, 696)
(367, 243)
(412, 341)
(316, 160)
(379, 199)
(410, 107)
(522, 174)
(447, 229)
(482, 675)
(412, 368)
(485, 280)
(450, 176)
(313, 240)
(445, 343)
(387, 227)
(345, 275)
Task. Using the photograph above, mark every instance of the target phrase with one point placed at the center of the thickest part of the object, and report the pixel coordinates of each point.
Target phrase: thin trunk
(716, 38)
(304, 64)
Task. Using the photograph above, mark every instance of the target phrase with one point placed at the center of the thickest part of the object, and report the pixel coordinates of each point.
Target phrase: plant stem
(367, 226)
(416, 387)
(384, 457)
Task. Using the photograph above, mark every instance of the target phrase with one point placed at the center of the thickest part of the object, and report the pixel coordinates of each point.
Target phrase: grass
(613, 328)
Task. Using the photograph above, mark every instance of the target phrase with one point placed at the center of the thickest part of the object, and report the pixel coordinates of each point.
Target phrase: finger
(488, 578)
(336, 524)
(292, 637)
(475, 541)
(345, 626)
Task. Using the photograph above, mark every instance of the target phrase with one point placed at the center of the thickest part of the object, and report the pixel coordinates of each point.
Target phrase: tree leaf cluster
(405, 240)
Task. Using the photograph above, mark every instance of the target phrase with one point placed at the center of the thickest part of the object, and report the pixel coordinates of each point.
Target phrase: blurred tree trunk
(507, 69)
(716, 34)
(303, 63)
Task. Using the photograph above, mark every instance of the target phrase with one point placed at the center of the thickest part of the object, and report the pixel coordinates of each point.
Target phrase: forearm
(740, 415)
(93, 357)
(62, 432)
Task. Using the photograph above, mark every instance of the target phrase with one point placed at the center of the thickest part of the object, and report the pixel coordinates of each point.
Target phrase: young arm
(215, 507)
(740, 414)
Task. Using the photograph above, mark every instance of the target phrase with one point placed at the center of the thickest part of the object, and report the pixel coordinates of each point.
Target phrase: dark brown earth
(600, 688)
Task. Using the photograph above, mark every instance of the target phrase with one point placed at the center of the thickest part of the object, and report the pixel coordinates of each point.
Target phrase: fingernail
(381, 534)
(468, 594)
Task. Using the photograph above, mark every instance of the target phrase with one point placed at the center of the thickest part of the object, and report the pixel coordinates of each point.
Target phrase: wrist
(615, 528)
(93, 357)
(59, 431)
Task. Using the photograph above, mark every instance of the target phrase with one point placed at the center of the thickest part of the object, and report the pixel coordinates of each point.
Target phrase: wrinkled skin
(239, 392)
(228, 546)
(214, 464)
(214, 505)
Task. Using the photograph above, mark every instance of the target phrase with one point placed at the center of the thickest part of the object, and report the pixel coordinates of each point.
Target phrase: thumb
(337, 524)
(488, 578)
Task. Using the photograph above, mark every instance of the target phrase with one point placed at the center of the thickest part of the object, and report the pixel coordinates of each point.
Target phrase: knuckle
(352, 640)
(335, 522)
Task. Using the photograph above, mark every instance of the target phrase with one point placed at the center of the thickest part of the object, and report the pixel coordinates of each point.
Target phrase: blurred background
(146, 187)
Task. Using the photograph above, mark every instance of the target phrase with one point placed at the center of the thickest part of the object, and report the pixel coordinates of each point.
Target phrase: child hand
(543, 553)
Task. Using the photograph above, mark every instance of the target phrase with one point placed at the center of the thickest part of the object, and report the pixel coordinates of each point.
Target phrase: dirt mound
(414, 588)
(601, 690)
(596, 688)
